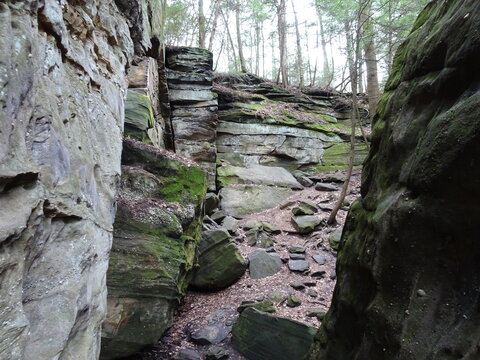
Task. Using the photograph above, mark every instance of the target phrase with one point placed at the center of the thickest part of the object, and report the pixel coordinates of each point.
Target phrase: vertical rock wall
(193, 106)
(62, 83)
(408, 282)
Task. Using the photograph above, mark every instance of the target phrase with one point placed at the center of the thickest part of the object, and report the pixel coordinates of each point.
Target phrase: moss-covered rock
(138, 115)
(156, 232)
(220, 263)
(408, 274)
(259, 336)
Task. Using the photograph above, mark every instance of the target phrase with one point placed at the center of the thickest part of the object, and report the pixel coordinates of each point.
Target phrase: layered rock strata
(156, 232)
(193, 106)
(408, 275)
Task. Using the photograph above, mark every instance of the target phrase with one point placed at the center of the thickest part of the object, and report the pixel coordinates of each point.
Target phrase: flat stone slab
(298, 265)
(240, 201)
(325, 187)
(261, 336)
(319, 259)
(305, 224)
(257, 174)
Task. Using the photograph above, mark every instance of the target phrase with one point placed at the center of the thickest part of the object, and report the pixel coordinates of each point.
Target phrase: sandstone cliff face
(408, 275)
(62, 82)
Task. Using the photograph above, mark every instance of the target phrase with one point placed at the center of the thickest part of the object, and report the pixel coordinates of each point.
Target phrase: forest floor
(198, 309)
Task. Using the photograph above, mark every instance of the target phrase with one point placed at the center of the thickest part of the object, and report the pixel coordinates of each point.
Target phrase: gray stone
(293, 301)
(335, 238)
(305, 207)
(242, 200)
(230, 224)
(188, 354)
(319, 259)
(217, 353)
(61, 124)
(312, 293)
(295, 249)
(211, 203)
(218, 216)
(325, 187)
(220, 262)
(149, 260)
(256, 336)
(211, 334)
(298, 265)
(297, 256)
(257, 174)
(305, 224)
(297, 285)
(262, 264)
(315, 312)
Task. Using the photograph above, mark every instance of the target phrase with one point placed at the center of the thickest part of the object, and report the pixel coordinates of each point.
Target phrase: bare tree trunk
(243, 66)
(201, 25)
(282, 39)
(225, 21)
(257, 52)
(309, 64)
(299, 50)
(390, 39)
(353, 57)
(219, 54)
(326, 67)
(263, 52)
(360, 77)
(216, 12)
(370, 54)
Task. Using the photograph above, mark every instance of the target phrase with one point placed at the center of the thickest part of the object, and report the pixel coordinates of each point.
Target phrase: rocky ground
(299, 295)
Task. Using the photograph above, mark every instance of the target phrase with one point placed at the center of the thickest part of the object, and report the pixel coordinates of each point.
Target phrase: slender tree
(243, 66)
(370, 53)
(299, 50)
(202, 30)
(282, 39)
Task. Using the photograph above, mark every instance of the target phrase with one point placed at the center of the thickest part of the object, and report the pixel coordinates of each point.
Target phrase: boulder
(263, 264)
(259, 336)
(240, 201)
(305, 224)
(220, 263)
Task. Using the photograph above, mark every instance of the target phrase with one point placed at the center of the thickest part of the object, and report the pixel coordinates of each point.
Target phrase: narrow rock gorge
(133, 175)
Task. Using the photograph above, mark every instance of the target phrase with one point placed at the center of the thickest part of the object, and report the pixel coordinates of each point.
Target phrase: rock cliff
(156, 232)
(408, 275)
(62, 83)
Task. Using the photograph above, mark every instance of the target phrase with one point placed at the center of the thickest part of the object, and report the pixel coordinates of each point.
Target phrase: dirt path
(199, 309)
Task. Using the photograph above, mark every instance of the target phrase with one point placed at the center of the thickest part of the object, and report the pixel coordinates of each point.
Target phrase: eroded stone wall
(62, 83)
